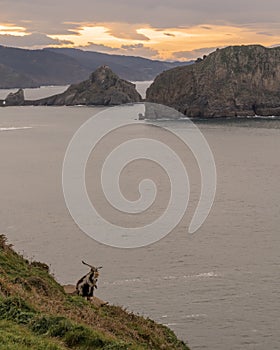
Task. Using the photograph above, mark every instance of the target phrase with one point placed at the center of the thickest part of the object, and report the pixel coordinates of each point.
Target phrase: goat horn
(87, 264)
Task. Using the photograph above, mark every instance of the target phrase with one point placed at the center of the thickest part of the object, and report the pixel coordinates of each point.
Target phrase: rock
(230, 82)
(71, 290)
(15, 98)
(159, 111)
(103, 88)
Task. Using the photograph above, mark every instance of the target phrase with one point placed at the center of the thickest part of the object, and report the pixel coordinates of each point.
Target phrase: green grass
(36, 313)
(15, 337)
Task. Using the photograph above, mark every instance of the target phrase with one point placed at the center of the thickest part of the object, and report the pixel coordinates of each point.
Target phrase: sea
(218, 289)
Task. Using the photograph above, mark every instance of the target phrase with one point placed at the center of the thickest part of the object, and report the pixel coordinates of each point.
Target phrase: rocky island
(103, 88)
(231, 82)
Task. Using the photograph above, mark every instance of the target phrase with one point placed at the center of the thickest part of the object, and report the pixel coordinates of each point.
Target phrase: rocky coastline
(103, 88)
(237, 81)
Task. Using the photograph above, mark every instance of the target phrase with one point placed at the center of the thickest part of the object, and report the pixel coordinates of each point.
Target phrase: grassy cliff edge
(36, 313)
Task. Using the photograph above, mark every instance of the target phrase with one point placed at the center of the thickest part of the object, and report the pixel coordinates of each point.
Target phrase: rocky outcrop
(230, 82)
(15, 98)
(103, 88)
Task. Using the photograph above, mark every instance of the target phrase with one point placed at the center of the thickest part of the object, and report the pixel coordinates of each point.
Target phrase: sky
(157, 29)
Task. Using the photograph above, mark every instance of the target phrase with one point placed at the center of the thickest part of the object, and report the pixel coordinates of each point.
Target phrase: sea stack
(231, 82)
(103, 88)
(14, 99)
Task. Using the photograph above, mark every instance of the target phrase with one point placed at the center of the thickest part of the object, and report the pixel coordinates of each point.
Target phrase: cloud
(139, 50)
(91, 46)
(265, 33)
(162, 26)
(125, 31)
(30, 40)
(53, 17)
(128, 50)
(132, 47)
(194, 54)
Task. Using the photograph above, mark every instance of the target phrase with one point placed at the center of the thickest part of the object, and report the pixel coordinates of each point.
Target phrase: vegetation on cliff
(36, 313)
(230, 82)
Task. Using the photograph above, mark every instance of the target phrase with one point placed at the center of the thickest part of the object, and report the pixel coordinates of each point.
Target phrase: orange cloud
(10, 29)
(172, 43)
(168, 42)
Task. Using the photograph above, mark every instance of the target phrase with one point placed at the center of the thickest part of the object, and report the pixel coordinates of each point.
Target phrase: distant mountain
(127, 67)
(32, 68)
(10, 78)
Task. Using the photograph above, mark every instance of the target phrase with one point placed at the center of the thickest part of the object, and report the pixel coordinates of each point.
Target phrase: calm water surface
(217, 289)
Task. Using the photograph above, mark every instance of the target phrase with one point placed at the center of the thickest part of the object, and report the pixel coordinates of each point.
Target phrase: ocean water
(217, 289)
(36, 93)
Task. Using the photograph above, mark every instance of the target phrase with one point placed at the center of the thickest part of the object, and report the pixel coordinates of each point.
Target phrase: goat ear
(99, 267)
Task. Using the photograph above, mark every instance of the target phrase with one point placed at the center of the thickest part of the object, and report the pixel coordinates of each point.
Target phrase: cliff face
(103, 87)
(235, 81)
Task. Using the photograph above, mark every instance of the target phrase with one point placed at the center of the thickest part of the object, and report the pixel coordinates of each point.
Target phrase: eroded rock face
(235, 81)
(103, 87)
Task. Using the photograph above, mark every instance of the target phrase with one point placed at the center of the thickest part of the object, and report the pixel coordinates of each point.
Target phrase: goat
(86, 285)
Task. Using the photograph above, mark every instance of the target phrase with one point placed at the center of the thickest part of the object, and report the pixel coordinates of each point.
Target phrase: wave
(12, 128)
(210, 274)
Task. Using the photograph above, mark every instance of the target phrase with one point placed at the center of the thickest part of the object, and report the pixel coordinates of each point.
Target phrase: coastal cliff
(230, 82)
(36, 313)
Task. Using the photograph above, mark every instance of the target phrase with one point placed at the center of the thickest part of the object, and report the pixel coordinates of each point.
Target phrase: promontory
(230, 82)
(37, 314)
(103, 88)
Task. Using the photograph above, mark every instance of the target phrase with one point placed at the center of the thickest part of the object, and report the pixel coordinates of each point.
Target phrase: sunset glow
(6, 29)
(168, 42)
(174, 43)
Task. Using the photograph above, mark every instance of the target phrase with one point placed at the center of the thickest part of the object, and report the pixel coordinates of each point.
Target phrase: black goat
(86, 285)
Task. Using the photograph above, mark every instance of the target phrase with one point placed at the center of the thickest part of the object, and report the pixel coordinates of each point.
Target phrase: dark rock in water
(235, 81)
(15, 98)
(103, 88)
(159, 111)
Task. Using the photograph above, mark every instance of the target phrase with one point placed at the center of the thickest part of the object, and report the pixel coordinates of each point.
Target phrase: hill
(36, 313)
(33, 68)
(230, 82)
(102, 88)
(10, 78)
(127, 67)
